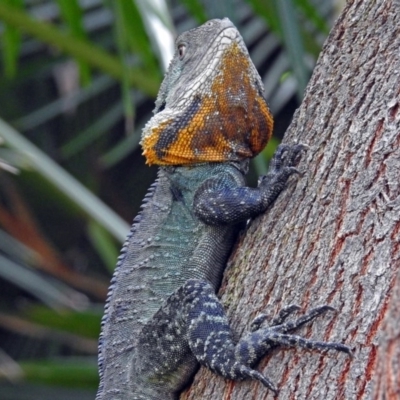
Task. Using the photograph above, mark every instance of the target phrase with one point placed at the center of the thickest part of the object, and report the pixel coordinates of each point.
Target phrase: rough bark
(333, 237)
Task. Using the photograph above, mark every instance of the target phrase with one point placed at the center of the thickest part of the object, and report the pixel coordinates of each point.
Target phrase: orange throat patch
(229, 122)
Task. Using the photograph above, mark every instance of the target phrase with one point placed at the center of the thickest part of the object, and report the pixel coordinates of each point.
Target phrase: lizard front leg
(221, 201)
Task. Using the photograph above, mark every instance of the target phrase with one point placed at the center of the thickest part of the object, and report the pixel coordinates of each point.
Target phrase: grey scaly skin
(162, 316)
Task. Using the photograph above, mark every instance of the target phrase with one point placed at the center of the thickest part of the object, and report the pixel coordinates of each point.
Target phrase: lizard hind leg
(210, 337)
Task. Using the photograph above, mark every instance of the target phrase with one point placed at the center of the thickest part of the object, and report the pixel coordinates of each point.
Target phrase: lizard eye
(181, 51)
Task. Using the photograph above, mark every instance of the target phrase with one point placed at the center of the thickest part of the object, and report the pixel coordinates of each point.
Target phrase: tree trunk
(333, 237)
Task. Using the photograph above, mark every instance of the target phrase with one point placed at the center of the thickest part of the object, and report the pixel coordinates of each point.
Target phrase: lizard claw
(279, 320)
(258, 321)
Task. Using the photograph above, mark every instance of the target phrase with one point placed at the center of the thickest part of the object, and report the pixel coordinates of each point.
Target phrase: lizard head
(210, 107)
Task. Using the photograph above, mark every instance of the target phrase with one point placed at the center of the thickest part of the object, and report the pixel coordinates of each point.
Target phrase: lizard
(162, 316)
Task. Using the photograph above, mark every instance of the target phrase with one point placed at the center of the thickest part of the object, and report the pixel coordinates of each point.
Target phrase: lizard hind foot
(279, 333)
(260, 342)
(285, 327)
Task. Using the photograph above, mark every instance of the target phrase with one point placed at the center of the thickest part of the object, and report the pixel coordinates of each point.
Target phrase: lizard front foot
(282, 166)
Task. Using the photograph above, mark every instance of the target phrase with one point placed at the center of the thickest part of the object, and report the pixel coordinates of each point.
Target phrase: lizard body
(162, 317)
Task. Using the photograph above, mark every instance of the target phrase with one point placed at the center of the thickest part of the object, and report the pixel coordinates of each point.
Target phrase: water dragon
(162, 317)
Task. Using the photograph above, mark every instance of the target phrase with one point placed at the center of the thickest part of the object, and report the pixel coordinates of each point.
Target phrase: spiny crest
(214, 109)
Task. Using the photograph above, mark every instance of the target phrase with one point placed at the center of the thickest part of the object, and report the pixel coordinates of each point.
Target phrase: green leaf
(120, 29)
(134, 35)
(196, 9)
(73, 17)
(78, 48)
(282, 17)
(312, 14)
(65, 372)
(34, 391)
(65, 182)
(159, 27)
(39, 286)
(83, 323)
(293, 43)
(268, 11)
(104, 244)
(11, 38)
